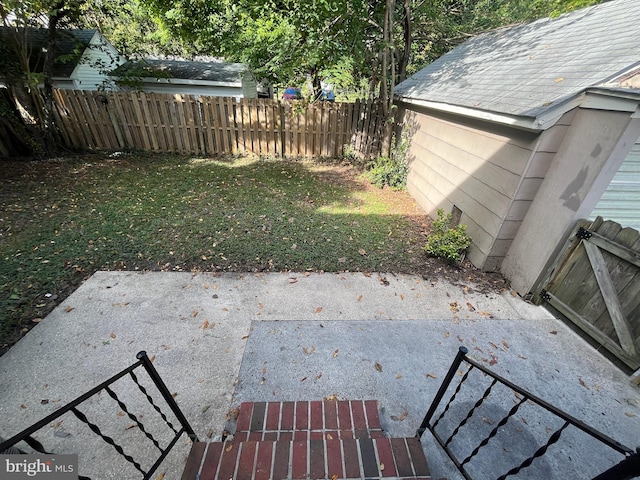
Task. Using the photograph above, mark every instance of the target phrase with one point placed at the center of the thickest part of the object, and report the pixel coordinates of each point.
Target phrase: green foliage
(447, 242)
(391, 170)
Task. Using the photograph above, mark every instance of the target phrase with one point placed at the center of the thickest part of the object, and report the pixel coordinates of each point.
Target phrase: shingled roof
(218, 72)
(527, 70)
(70, 45)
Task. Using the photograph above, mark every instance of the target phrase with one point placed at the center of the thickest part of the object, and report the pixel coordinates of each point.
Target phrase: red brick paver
(308, 441)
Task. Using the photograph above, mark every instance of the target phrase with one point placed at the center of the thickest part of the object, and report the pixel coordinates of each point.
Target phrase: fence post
(462, 352)
(155, 376)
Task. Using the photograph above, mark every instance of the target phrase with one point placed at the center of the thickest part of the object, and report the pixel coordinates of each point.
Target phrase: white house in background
(83, 57)
(523, 130)
(216, 79)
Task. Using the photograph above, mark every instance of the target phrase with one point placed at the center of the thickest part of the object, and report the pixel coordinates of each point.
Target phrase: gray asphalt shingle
(526, 69)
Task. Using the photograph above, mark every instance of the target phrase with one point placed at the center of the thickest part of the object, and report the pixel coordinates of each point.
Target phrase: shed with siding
(523, 128)
(218, 79)
(83, 57)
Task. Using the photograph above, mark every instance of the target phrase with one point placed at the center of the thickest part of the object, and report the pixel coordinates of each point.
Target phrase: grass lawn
(63, 219)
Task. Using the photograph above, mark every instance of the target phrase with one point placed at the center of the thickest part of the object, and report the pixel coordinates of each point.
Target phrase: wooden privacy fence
(595, 283)
(201, 125)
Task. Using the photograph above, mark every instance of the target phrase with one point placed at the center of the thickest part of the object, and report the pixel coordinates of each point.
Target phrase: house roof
(69, 48)
(219, 72)
(531, 69)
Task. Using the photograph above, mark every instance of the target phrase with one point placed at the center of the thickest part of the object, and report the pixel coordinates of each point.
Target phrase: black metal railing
(175, 431)
(628, 468)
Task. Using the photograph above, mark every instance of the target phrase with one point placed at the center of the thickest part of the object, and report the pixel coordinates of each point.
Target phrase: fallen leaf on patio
(401, 296)
(68, 309)
(329, 437)
(378, 367)
(152, 359)
(229, 448)
(44, 401)
(210, 433)
(334, 477)
(506, 449)
(583, 384)
(486, 420)
(309, 351)
(553, 332)
(504, 342)
(260, 305)
(245, 337)
(359, 298)
(629, 414)
(160, 477)
(381, 467)
(493, 345)
(293, 280)
(522, 357)
(524, 420)
(129, 427)
(398, 376)
(264, 370)
(303, 379)
(166, 347)
(318, 309)
(205, 325)
(401, 418)
(486, 314)
(113, 335)
(493, 361)
(460, 339)
(335, 354)
(431, 375)
(453, 306)
(194, 313)
(225, 309)
(319, 376)
(447, 334)
(471, 307)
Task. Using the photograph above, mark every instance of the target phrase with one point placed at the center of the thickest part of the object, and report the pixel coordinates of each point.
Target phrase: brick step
(339, 419)
(364, 458)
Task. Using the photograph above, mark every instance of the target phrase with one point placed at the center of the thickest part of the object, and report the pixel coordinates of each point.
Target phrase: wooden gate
(595, 283)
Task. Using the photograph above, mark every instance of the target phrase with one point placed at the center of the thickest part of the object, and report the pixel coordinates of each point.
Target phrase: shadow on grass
(64, 219)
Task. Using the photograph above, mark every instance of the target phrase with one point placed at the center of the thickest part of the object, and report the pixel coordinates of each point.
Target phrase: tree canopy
(348, 43)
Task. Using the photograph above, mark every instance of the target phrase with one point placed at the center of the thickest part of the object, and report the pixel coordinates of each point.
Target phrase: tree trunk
(387, 79)
(47, 121)
(406, 33)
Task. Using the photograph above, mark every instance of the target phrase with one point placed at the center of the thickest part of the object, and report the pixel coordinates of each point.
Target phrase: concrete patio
(219, 340)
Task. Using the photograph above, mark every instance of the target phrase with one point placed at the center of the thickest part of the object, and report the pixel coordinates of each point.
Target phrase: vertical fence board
(216, 125)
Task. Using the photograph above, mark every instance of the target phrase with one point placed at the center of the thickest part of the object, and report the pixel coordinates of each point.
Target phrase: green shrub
(447, 242)
(391, 170)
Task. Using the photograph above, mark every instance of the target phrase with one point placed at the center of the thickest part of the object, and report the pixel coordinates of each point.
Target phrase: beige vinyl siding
(477, 169)
(548, 144)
